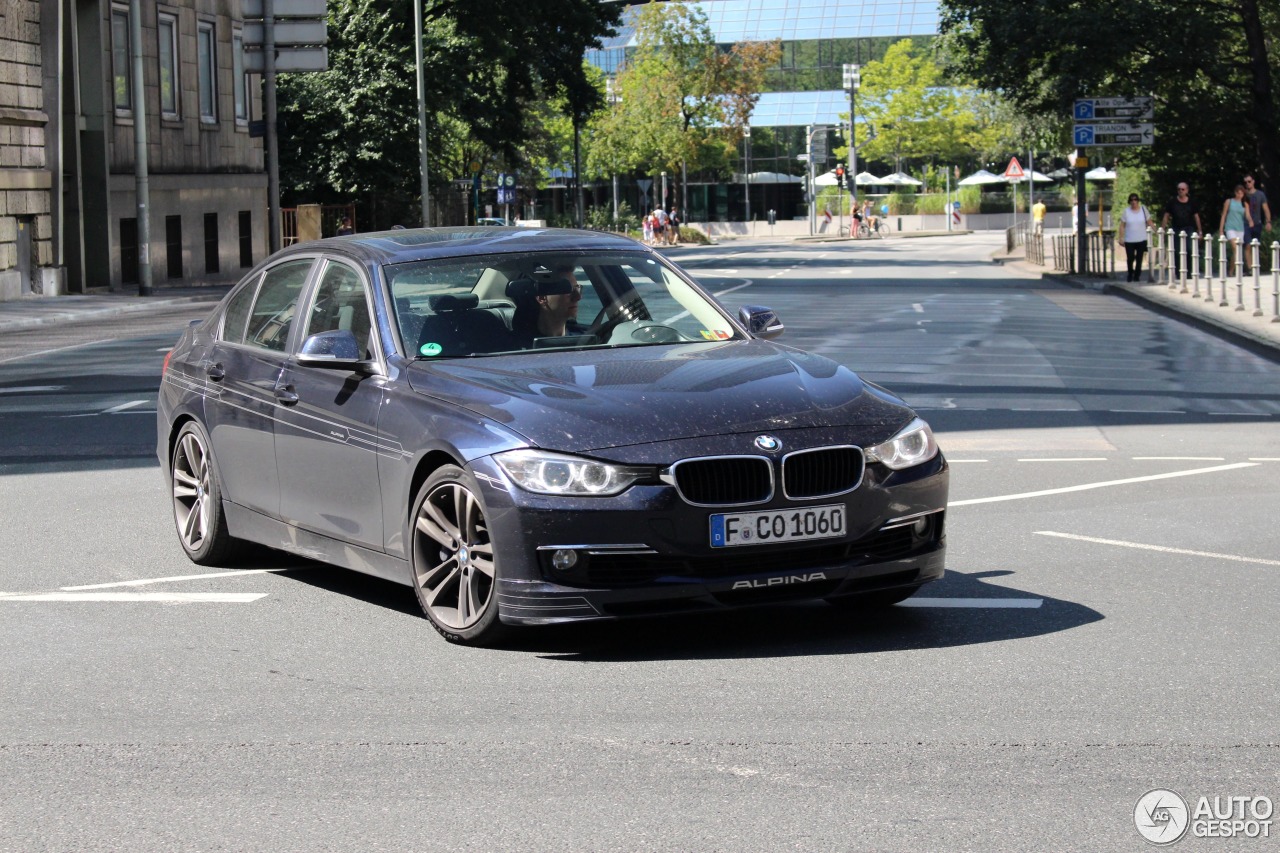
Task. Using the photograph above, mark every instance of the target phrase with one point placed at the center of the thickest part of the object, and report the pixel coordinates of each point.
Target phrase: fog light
(563, 560)
(921, 527)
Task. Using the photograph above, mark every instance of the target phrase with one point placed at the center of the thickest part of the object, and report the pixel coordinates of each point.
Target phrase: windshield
(497, 304)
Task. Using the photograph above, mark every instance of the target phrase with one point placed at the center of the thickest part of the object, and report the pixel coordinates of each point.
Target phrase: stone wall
(25, 179)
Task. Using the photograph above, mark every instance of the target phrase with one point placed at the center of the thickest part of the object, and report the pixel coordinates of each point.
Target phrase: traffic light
(840, 177)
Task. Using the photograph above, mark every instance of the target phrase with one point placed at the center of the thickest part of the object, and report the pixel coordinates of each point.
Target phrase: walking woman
(1134, 222)
(1236, 219)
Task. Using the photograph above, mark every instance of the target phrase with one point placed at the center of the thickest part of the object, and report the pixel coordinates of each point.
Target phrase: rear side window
(237, 312)
(277, 304)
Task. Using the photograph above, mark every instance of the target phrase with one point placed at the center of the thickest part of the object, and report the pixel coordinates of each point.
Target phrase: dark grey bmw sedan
(531, 426)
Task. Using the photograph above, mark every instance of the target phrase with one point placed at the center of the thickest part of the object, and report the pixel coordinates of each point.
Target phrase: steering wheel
(603, 324)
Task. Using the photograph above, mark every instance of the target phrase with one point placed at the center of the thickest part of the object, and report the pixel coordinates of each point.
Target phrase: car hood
(595, 399)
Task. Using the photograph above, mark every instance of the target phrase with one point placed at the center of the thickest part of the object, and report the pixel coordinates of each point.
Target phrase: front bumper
(647, 552)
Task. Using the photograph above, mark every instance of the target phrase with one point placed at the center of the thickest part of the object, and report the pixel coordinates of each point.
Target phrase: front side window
(341, 304)
(167, 33)
(271, 317)
(493, 305)
(121, 67)
(207, 70)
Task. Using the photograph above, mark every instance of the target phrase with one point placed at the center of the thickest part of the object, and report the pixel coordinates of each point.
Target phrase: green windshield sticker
(431, 349)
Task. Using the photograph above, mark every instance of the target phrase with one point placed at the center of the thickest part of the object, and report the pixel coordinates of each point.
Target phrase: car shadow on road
(816, 628)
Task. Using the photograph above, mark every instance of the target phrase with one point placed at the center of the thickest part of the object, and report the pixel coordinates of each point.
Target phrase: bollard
(1214, 269)
(1257, 273)
(1275, 279)
(1183, 260)
(1238, 245)
(1193, 251)
(1222, 269)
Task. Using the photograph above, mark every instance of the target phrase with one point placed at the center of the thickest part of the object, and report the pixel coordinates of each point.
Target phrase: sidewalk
(35, 311)
(1213, 314)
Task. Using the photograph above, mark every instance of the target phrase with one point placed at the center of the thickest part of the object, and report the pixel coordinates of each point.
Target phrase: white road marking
(917, 307)
(152, 597)
(1146, 412)
(1087, 486)
(1182, 458)
(132, 404)
(29, 389)
(1161, 548)
(720, 293)
(1264, 458)
(1017, 603)
(55, 349)
(1075, 459)
(174, 579)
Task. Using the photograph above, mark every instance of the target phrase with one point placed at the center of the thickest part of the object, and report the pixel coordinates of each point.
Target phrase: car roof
(415, 244)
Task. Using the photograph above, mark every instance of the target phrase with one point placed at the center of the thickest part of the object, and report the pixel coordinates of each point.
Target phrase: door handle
(215, 371)
(285, 394)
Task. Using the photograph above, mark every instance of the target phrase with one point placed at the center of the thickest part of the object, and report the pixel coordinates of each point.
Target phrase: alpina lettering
(780, 581)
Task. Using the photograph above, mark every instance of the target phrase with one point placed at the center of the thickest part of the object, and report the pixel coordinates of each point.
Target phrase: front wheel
(455, 569)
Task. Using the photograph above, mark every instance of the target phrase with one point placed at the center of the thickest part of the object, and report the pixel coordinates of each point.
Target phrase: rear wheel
(455, 570)
(197, 501)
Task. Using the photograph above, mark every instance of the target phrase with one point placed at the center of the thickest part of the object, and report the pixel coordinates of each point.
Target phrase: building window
(211, 243)
(246, 239)
(173, 245)
(207, 69)
(121, 67)
(239, 80)
(129, 251)
(167, 33)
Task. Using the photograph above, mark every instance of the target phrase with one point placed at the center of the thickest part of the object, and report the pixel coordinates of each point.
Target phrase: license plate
(766, 528)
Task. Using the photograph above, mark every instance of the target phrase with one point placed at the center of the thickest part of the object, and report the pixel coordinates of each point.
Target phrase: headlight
(549, 473)
(911, 446)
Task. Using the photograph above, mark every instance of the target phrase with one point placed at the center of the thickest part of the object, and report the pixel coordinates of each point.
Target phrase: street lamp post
(852, 82)
(422, 113)
(612, 94)
(746, 174)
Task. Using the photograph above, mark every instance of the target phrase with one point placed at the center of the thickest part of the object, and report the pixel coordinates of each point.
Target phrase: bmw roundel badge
(768, 443)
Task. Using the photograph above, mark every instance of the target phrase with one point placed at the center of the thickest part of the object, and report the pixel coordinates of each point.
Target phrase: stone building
(68, 209)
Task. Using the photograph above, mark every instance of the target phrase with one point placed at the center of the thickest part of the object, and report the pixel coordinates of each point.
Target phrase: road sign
(1013, 171)
(289, 59)
(1114, 134)
(1114, 109)
(286, 33)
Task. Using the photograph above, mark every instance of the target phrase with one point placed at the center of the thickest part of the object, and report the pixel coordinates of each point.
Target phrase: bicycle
(881, 228)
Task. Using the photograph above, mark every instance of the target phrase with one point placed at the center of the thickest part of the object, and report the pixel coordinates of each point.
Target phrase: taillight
(165, 369)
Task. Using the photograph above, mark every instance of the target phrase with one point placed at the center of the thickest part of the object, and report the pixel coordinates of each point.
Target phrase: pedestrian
(345, 227)
(647, 226)
(1181, 213)
(1260, 212)
(659, 226)
(1038, 210)
(674, 220)
(1134, 222)
(1235, 223)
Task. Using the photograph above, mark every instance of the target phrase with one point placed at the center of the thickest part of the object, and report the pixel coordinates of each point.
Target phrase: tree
(352, 130)
(913, 114)
(1207, 65)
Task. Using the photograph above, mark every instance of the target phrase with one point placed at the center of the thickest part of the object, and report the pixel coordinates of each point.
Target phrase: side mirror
(331, 349)
(760, 321)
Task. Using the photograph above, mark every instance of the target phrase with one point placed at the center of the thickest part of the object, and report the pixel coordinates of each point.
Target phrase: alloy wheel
(454, 569)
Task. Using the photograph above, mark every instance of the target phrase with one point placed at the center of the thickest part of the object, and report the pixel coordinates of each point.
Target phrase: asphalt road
(1106, 626)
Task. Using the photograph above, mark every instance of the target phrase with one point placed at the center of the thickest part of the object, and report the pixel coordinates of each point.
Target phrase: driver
(556, 307)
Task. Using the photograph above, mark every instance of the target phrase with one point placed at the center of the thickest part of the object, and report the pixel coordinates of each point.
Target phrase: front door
(326, 434)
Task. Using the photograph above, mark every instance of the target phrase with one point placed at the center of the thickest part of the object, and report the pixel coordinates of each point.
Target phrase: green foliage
(970, 199)
(931, 203)
(1133, 179)
(694, 236)
(352, 131)
(1207, 65)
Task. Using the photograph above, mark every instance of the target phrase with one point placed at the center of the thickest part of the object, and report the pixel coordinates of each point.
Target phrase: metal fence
(1100, 253)
(1216, 269)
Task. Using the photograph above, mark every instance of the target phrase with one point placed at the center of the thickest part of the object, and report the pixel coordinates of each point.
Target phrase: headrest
(452, 302)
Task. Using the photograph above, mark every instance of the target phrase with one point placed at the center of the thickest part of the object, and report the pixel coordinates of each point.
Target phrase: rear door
(243, 369)
(326, 431)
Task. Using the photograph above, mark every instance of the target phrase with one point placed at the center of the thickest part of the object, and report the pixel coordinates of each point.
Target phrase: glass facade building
(818, 38)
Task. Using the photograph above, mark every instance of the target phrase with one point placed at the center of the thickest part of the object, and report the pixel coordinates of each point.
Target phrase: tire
(455, 569)
(879, 600)
(197, 501)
